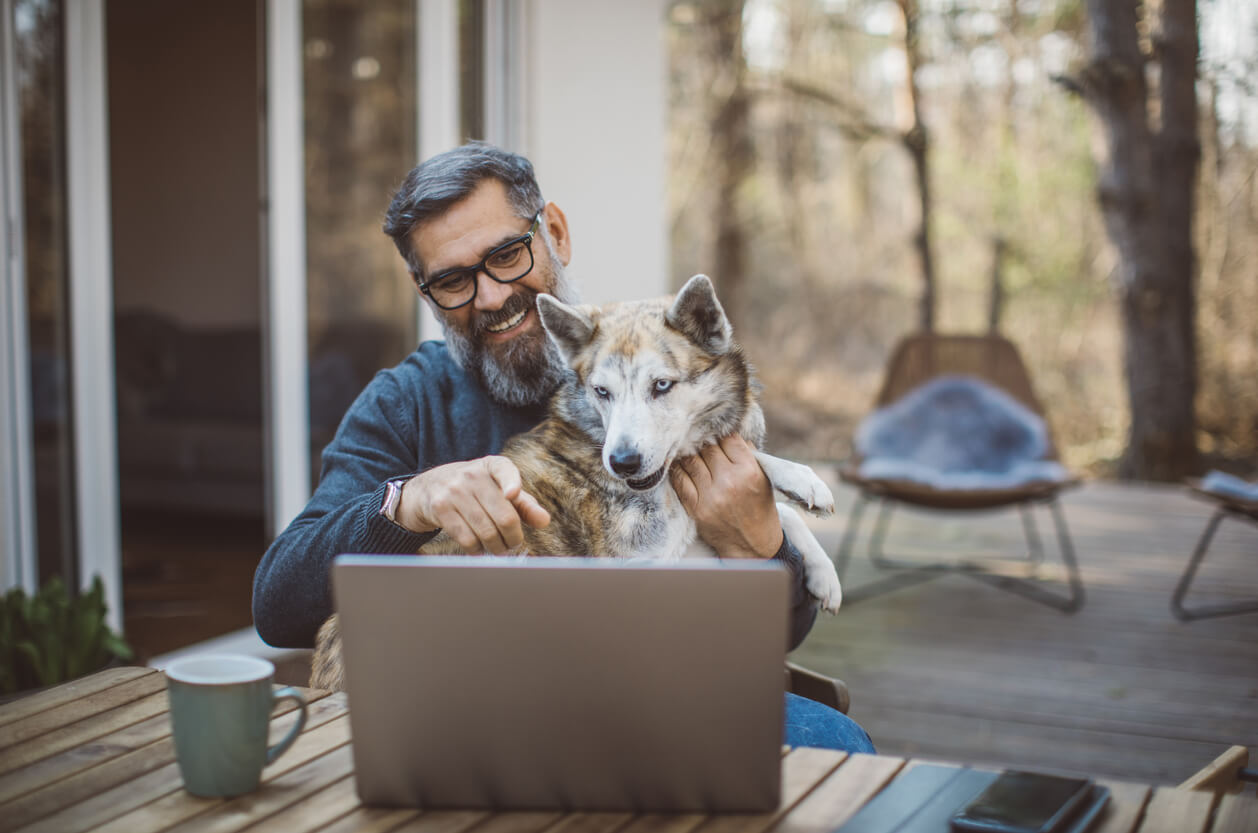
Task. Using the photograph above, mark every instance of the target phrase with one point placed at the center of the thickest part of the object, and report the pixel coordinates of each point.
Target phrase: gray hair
(441, 181)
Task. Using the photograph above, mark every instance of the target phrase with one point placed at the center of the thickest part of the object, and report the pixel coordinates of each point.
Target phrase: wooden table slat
(82, 732)
(49, 770)
(802, 770)
(838, 797)
(194, 815)
(590, 823)
(1237, 814)
(1177, 811)
(664, 823)
(58, 794)
(61, 717)
(68, 692)
(1125, 807)
(332, 802)
(525, 821)
(433, 821)
(367, 820)
(127, 796)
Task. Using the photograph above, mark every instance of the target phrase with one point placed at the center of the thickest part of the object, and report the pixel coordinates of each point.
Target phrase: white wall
(596, 134)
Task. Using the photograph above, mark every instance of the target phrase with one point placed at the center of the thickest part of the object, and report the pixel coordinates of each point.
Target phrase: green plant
(53, 636)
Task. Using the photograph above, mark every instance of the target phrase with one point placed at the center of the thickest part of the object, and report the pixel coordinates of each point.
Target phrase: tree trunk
(1146, 188)
(996, 297)
(917, 143)
(734, 152)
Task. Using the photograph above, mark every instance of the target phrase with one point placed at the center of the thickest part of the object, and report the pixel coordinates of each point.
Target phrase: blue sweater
(425, 412)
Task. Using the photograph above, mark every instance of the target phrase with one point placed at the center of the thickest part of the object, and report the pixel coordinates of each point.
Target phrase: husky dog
(651, 381)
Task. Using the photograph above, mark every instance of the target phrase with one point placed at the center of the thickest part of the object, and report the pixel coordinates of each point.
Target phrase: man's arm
(726, 492)
(414, 423)
(291, 595)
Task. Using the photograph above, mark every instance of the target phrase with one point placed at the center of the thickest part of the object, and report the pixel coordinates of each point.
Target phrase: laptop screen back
(586, 684)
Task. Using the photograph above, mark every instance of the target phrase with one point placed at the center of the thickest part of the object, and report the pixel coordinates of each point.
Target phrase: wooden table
(96, 754)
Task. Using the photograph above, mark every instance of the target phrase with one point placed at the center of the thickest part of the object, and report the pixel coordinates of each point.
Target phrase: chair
(827, 691)
(1227, 773)
(918, 359)
(1226, 506)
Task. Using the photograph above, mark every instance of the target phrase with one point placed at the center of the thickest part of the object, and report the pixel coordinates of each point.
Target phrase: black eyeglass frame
(483, 266)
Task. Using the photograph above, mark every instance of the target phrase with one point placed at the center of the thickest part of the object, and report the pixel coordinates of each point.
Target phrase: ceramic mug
(220, 710)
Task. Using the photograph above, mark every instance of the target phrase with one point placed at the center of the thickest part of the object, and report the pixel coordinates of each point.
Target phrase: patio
(954, 669)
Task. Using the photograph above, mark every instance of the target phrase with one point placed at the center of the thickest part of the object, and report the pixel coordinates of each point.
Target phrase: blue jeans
(808, 723)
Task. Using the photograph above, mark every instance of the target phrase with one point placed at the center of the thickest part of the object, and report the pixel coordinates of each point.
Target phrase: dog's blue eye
(663, 385)
(601, 392)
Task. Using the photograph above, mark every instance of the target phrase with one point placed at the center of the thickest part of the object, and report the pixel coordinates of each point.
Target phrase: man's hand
(724, 489)
(479, 503)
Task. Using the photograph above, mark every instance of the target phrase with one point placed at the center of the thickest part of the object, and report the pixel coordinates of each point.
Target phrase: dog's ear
(571, 328)
(699, 316)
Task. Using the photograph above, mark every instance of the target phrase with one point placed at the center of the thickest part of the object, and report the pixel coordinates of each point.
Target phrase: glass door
(39, 477)
(359, 90)
(184, 137)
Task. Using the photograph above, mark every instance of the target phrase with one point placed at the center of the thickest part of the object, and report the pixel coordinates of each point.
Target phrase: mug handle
(287, 693)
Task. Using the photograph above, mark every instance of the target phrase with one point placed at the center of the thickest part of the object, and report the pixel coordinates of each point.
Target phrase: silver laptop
(579, 684)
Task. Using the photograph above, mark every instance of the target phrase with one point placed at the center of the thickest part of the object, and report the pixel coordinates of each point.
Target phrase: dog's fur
(651, 381)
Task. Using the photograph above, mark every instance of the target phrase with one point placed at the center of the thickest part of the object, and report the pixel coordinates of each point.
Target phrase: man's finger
(684, 487)
(696, 468)
(715, 454)
(736, 447)
(500, 528)
(462, 534)
(505, 474)
(531, 512)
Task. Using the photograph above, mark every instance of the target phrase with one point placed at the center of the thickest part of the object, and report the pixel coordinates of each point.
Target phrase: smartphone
(1023, 802)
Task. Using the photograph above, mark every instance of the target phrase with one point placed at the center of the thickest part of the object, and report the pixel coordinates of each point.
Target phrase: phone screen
(1022, 802)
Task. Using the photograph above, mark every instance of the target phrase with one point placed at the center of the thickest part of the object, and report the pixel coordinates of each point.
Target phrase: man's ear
(571, 328)
(557, 227)
(699, 316)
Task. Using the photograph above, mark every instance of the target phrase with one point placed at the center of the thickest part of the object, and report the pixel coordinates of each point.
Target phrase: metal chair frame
(1188, 614)
(915, 572)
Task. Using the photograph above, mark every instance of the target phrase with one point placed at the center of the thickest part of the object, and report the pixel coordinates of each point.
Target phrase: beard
(525, 370)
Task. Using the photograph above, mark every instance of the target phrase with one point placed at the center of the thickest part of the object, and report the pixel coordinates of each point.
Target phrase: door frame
(19, 565)
(91, 302)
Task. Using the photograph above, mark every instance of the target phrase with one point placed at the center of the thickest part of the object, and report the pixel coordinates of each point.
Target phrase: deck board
(956, 669)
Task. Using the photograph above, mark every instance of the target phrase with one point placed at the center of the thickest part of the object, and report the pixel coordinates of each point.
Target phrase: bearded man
(416, 452)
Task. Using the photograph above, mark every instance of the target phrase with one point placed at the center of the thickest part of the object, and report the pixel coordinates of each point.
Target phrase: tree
(733, 151)
(1147, 180)
(917, 143)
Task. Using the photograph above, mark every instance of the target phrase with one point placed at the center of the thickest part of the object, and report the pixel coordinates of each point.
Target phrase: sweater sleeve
(803, 606)
(375, 443)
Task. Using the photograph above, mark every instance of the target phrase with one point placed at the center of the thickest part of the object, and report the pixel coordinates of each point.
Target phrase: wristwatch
(392, 498)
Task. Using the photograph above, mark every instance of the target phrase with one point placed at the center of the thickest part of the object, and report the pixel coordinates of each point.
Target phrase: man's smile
(508, 328)
(510, 323)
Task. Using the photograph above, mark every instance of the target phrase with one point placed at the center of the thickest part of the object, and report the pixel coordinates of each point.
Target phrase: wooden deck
(958, 670)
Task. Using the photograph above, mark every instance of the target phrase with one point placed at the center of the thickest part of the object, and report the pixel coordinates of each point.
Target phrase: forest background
(797, 148)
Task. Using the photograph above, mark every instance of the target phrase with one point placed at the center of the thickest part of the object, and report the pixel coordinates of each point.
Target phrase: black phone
(1023, 802)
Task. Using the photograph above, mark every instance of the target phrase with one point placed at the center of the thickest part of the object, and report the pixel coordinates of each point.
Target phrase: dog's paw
(824, 586)
(812, 495)
(798, 483)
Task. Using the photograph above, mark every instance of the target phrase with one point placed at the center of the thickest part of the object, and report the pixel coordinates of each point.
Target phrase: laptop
(564, 683)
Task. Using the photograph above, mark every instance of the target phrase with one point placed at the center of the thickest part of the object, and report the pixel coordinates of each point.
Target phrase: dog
(651, 381)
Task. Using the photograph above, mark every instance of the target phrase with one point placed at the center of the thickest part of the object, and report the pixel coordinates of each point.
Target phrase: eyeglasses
(507, 263)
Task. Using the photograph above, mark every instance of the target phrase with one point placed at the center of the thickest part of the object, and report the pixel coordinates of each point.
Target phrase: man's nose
(491, 295)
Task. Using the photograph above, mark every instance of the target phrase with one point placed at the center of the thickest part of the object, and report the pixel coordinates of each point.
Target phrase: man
(415, 452)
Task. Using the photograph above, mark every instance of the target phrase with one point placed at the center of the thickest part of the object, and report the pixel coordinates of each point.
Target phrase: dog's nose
(625, 462)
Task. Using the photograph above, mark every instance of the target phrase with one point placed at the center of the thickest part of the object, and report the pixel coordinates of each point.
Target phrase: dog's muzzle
(641, 484)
